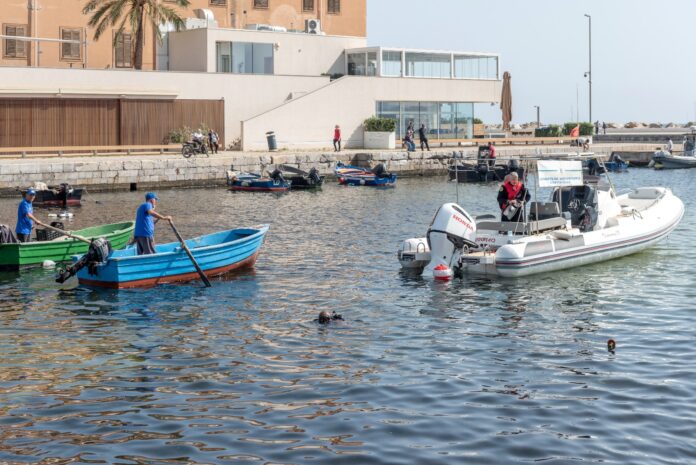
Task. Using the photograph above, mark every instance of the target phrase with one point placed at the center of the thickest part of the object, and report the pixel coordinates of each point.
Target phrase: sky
(643, 52)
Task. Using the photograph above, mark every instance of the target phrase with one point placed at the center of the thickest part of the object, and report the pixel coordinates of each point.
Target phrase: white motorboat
(582, 224)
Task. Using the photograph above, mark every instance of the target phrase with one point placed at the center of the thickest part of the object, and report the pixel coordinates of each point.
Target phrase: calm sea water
(478, 371)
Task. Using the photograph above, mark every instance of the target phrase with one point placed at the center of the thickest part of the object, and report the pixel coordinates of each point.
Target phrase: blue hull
(616, 167)
(217, 254)
(353, 176)
(249, 182)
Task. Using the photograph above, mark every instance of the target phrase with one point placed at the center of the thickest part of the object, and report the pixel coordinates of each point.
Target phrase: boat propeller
(98, 252)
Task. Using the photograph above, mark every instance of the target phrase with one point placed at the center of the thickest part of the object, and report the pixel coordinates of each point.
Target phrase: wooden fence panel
(54, 122)
(15, 123)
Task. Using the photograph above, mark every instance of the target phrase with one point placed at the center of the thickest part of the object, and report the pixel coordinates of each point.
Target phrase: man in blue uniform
(25, 217)
(145, 224)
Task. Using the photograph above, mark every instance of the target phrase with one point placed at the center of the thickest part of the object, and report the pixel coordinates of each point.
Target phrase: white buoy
(49, 264)
(52, 215)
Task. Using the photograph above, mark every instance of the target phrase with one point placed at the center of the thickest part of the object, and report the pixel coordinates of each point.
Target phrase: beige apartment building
(48, 21)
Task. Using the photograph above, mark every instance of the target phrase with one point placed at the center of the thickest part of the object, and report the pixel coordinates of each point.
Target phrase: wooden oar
(204, 278)
(65, 233)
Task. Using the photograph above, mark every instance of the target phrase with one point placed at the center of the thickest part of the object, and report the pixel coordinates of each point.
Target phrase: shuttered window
(14, 48)
(307, 5)
(260, 3)
(123, 51)
(218, 2)
(334, 6)
(71, 51)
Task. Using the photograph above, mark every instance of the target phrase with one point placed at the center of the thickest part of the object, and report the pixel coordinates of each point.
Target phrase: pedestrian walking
(423, 136)
(596, 125)
(337, 138)
(411, 145)
(604, 127)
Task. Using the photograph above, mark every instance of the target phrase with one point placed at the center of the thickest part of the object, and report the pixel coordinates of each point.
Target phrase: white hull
(632, 233)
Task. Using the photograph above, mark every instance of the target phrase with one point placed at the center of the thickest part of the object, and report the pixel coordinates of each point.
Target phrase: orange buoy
(442, 273)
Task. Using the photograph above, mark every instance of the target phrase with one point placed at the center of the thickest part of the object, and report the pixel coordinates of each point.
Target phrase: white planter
(379, 140)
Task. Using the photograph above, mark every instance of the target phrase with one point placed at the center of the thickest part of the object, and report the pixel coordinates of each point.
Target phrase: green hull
(15, 256)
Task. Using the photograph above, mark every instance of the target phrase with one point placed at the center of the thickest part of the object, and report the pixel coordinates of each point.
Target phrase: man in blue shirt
(144, 234)
(25, 217)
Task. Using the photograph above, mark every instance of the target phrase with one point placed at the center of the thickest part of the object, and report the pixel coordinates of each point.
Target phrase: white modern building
(296, 84)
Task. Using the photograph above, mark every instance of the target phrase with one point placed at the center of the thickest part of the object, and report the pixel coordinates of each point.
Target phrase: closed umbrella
(506, 102)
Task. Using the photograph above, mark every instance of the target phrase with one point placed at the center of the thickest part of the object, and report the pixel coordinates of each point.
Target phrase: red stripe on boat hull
(180, 278)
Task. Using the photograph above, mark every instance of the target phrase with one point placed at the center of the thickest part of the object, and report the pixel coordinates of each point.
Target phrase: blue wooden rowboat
(252, 182)
(354, 176)
(217, 254)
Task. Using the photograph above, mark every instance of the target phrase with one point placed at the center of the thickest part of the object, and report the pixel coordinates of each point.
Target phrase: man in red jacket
(511, 197)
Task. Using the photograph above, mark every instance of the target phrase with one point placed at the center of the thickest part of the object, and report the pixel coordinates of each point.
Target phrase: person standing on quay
(25, 217)
(144, 234)
(409, 138)
(596, 126)
(604, 127)
(214, 141)
(423, 136)
(337, 138)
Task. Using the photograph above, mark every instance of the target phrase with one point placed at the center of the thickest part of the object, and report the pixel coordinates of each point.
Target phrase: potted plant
(379, 133)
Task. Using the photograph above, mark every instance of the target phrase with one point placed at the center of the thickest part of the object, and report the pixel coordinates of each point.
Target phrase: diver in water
(326, 318)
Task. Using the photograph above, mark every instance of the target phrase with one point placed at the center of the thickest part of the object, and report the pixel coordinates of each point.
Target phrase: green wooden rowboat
(15, 256)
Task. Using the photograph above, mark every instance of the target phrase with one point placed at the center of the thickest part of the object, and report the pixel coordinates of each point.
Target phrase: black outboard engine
(380, 171)
(98, 253)
(64, 192)
(513, 165)
(314, 176)
(277, 175)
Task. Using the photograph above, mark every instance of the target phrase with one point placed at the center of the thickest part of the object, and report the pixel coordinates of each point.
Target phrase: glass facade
(429, 65)
(443, 120)
(475, 67)
(244, 58)
(391, 63)
(357, 64)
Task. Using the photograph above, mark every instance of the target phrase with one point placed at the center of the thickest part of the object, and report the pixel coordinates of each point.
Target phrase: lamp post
(589, 73)
(538, 118)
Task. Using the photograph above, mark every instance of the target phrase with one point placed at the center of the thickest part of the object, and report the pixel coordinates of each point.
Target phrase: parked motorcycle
(195, 147)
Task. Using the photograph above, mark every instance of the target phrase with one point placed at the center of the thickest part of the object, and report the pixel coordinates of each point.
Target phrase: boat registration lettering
(485, 239)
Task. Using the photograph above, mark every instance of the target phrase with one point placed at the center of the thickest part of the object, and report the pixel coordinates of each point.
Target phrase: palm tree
(135, 13)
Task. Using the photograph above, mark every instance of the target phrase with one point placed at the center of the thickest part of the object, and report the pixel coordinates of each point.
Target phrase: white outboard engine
(414, 254)
(451, 229)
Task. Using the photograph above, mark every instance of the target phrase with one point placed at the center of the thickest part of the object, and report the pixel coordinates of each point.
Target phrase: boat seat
(522, 228)
(647, 193)
(545, 210)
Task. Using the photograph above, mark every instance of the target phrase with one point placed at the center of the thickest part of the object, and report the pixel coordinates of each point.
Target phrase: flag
(575, 132)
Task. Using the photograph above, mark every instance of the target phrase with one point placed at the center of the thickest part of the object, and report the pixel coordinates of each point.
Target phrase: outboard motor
(451, 229)
(380, 171)
(97, 254)
(513, 165)
(64, 192)
(314, 176)
(277, 175)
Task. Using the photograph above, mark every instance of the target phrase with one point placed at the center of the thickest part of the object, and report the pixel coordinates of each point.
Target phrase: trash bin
(271, 139)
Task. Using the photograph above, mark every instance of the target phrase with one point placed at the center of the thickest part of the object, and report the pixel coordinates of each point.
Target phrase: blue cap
(150, 196)
(31, 191)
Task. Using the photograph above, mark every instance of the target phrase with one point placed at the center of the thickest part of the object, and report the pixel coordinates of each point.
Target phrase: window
(429, 65)
(14, 48)
(357, 64)
(244, 58)
(263, 4)
(307, 5)
(334, 7)
(123, 51)
(443, 120)
(71, 51)
(475, 67)
(218, 2)
(391, 63)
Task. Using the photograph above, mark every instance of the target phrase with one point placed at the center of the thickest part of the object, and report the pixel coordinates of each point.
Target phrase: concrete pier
(105, 173)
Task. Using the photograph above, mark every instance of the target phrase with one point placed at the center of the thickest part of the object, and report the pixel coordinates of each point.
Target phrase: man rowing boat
(25, 217)
(144, 234)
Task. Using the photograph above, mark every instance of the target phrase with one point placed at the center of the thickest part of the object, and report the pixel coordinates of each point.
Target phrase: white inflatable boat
(580, 225)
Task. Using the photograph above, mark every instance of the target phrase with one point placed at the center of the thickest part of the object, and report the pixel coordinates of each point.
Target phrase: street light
(538, 119)
(589, 73)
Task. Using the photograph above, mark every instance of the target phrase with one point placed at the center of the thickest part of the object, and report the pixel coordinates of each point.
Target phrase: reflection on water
(479, 371)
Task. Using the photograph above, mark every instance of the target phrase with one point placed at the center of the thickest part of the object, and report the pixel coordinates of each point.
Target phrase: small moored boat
(353, 176)
(300, 179)
(217, 254)
(17, 255)
(252, 182)
(63, 195)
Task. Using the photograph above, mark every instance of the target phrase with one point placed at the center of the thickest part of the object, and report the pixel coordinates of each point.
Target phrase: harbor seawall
(103, 173)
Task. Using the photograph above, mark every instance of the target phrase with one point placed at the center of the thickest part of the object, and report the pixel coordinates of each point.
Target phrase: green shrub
(548, 131)
(478, 121)
(375, 124)
(586, 129)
